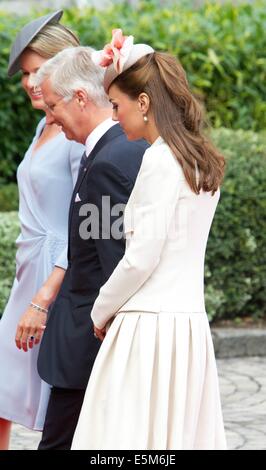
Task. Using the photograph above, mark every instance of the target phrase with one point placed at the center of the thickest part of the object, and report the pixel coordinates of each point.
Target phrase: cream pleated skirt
(154, 386)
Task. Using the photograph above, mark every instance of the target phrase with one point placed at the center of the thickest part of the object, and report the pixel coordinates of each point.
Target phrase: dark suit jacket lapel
(109, 135)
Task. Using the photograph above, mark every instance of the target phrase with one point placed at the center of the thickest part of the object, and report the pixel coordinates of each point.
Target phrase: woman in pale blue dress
(46, 177)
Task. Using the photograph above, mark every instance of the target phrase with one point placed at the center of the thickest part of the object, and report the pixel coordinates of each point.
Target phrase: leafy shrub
(236, 261)
(9, 230)
(222, 47)
(8, 197)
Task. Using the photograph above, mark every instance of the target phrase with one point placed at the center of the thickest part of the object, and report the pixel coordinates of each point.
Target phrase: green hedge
(8, 197)
(236, 256)
(235, 261)
(9, 230)
(222, 47)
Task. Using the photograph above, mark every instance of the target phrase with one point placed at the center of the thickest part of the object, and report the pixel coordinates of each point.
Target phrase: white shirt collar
(97, 133)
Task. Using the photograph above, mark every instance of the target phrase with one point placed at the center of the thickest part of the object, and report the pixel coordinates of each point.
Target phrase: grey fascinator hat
(26, 35)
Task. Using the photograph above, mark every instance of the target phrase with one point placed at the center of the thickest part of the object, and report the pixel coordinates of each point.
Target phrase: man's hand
(30, 329)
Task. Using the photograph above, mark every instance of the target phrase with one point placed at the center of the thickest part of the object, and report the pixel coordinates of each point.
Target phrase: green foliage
(236, 262)
(221, 45)
(9, 230)
(8, 197)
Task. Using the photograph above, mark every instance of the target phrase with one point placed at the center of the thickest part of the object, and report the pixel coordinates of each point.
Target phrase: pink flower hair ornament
(118, 56)
(117, 52)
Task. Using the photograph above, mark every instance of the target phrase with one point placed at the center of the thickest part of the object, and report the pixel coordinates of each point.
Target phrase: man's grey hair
(71, 70)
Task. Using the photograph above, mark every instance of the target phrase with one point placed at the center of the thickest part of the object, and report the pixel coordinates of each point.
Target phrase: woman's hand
(32, 323)
(100, 334)
(30, 328)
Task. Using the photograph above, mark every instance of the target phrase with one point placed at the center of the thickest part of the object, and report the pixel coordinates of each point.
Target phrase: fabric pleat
(154, 386)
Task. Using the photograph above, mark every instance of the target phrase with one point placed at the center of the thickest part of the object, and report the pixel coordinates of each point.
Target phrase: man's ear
(143, 103)
(81, 96)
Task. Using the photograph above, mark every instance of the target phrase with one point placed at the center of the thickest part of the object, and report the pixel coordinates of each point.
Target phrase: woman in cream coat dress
(154, 384)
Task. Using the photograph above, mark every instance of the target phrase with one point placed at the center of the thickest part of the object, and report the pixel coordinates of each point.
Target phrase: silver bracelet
(38, 307)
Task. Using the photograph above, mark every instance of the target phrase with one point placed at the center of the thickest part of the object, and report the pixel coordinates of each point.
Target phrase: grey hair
(71, 70)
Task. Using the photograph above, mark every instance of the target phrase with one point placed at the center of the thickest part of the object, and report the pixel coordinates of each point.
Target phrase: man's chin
(65, 132)
(68, 135)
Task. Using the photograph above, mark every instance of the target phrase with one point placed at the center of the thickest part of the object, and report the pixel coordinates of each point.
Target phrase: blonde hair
(52, 39)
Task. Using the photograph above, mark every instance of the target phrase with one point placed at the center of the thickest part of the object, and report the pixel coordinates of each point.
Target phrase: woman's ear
(144, 103)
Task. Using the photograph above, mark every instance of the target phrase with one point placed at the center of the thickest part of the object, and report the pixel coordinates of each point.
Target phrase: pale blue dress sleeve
(75, 153)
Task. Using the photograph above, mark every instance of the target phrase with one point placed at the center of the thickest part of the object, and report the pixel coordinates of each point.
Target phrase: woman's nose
(31, 81)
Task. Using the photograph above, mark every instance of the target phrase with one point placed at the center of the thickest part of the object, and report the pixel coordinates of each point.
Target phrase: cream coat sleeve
(151, 207)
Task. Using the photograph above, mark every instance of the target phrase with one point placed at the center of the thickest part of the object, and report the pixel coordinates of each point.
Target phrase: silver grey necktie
(83, 161)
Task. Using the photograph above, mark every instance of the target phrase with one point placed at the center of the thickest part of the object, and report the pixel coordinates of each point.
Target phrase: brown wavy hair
(178, 116)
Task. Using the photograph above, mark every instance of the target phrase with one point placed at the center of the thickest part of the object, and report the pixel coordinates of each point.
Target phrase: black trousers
(61, 418)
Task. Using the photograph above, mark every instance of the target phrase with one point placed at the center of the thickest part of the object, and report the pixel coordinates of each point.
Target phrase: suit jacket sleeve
(109, 191)
(155, 196)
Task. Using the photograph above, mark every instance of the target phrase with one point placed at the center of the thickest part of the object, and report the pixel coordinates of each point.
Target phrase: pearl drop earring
(145, 119)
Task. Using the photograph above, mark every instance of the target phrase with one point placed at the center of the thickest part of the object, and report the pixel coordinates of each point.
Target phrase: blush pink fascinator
(119, 55)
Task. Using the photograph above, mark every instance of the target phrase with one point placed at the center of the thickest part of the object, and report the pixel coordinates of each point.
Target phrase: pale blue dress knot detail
(55, 246)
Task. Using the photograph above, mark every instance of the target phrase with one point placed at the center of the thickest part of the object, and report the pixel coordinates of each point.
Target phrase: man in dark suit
(72, 89)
